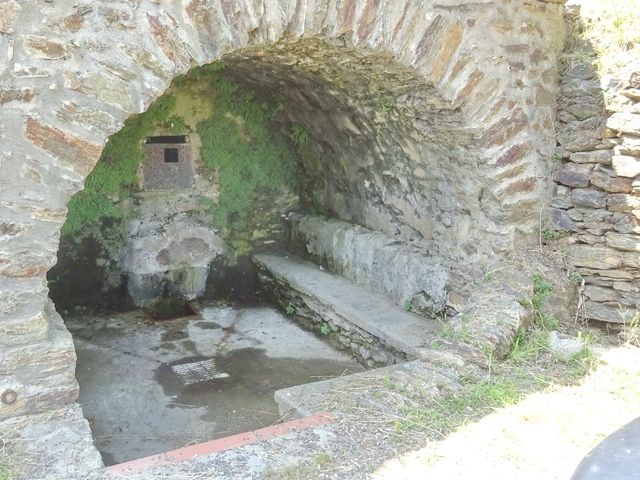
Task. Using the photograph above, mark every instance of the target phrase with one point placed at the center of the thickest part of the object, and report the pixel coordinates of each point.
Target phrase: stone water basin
(139, 384)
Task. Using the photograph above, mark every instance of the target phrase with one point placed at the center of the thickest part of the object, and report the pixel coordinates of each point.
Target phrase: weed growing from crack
(290, 309)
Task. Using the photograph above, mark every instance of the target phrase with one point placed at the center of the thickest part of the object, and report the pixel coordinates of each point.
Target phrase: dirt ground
(544, 436)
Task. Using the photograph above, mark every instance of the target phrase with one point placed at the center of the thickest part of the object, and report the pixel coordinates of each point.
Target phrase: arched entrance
(448, 147)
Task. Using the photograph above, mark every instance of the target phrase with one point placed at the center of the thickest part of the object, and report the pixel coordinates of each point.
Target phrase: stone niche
(430, 121)
(168, 163)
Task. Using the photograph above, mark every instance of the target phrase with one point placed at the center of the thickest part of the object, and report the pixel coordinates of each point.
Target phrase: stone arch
(71, 75)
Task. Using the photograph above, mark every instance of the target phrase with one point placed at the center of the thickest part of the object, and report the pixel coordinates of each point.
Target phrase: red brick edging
(217, 446)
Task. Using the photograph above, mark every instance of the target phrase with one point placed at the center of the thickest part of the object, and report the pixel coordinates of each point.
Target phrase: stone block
(625, 165)
(584, 107)
(573, 175)
(624, 122)
(627, 242)
(505, 128)
(594, 156)
(45, 48)
(91, 118)
(560, 220)
(621, 202)
(20, 95)
(631, 259)
(625, 287)
(588, 198)
(564, 202)
(42, 373)
(592, 256)
(627, 224)
(580, 71)
(168, 40)
(601, 294)
(611, 184)
(582, 135)
(607, 275)
(596, 216)
(629, 146)
(103, 86)
(608, 313)
(577, 87)
(8, 12)
(78, 154)
(20, 331)
(374, 260)
(564, 346)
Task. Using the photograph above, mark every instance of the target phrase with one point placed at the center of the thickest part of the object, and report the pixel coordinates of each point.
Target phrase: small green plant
(290, 309)
(323, 458)
(5, 474)
(461, 334)
(299, 135)
(576, 279)
(541, 290)
(384, 106)
(325, 329)
(408, 306)
(584, 361)
(549, 235)
(529, 346)
(548, 322)
(377, 132)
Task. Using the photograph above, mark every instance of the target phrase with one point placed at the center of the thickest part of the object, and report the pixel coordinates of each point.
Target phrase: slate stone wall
(597, 202)
(483, 82)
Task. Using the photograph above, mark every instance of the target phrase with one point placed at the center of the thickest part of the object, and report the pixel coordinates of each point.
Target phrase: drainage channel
(149, 386)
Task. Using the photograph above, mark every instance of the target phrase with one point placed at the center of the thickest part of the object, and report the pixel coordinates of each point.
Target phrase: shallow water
(136, 403)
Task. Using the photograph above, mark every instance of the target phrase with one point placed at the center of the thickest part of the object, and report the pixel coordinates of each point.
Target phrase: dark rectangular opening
(170, 155)
(169, 139)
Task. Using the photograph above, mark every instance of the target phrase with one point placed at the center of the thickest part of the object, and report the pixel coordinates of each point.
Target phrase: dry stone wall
(597, 201)
(72, 72)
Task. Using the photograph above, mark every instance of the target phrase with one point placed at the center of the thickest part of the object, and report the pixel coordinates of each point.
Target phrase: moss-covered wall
(245, 172)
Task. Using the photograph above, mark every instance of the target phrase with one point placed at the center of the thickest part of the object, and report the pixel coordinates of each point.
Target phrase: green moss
(115, 174)
(241, 147)
(252, 161)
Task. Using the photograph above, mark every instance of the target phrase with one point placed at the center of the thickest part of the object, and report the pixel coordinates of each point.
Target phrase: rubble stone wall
(597, 203)
(72, 72)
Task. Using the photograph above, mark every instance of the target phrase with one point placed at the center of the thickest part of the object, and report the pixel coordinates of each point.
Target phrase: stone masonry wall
(597, 201)
(72, 72)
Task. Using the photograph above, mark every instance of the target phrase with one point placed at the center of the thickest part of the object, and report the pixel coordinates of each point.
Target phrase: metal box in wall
(168, 163)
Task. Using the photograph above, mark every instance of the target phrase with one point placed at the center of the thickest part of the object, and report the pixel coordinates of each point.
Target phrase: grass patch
(612, 28)
(477, 398)
(5, 473)
(322, 461)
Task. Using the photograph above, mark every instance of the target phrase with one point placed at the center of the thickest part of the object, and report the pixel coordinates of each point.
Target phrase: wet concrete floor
(139, 378)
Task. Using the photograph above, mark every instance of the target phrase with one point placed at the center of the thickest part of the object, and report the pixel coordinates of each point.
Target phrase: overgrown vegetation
(530, 366)
(246, 154)
(321, 462)
(238, 143)
(612, 29)
(115, 175)
(251, 160)
(478, 398)
(5, 474)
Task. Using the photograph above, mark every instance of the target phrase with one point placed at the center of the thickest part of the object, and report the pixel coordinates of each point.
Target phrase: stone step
(402, 271)
(377, 330)
(342, 394)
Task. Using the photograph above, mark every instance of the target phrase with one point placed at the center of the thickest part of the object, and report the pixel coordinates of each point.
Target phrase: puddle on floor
(137, 404)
